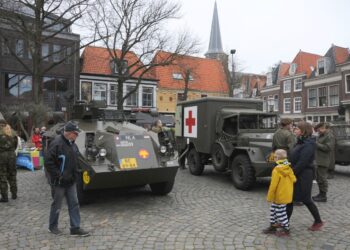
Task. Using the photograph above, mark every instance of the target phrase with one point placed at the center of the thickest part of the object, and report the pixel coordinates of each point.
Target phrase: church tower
(215, 50)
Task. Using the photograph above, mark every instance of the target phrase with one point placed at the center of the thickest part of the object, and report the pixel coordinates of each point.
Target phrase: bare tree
(137, 27)
(188, 73)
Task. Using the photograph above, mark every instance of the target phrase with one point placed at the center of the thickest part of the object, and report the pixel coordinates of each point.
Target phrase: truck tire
(162, 188)
(194, 162)
(243, 175)
(219, 159)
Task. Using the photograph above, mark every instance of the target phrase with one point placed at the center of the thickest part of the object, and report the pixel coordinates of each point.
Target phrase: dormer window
(321, 67)
(269, 79)
(123, 70)
(177, 76)
(292, 69)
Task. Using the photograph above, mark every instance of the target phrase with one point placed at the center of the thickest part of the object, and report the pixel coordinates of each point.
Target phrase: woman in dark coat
(301, 158)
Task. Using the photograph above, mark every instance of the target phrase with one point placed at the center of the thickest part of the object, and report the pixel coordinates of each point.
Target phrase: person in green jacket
(284, 137)
(323, 156)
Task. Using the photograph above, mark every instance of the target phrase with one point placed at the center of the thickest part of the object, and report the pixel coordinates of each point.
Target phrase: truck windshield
(257, 121)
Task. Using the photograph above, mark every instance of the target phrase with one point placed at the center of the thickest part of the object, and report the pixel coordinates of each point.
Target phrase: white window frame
(99, 89)
(269, 79)
(285, 84)
(295, 84)
(329, 96)
(347, 84)
(284, 105)
(148, 87)
(135, 93)
(295, 101)
(318, 96)
(276, 102)
(177, 76)
(292, 69)
(308, 98)
(324, 66)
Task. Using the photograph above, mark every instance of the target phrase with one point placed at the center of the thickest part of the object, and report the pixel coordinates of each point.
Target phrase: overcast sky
(266, 31)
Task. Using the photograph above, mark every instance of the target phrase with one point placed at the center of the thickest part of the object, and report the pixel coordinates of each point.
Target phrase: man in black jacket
(61, 161)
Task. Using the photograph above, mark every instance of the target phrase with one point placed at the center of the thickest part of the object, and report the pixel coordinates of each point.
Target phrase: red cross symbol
(190, 121)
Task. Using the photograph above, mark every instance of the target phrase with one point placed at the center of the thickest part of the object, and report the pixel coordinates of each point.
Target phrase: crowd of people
(303, 154)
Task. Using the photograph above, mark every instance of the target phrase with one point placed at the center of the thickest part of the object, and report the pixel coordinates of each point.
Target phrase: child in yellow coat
(280, 194)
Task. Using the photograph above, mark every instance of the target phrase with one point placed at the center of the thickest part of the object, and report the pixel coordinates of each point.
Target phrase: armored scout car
(342, 145)
(116, 153)
(231, 134)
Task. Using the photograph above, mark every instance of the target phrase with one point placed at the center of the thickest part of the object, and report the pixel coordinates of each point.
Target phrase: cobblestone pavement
(204, 212)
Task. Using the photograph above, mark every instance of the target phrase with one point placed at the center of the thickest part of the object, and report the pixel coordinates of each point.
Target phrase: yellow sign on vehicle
(128, 163)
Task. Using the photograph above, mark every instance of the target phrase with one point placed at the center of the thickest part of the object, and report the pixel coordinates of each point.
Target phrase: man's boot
(4, 198)
(321, 197)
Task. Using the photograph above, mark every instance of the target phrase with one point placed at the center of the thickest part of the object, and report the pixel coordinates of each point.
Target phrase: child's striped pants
(278, 214)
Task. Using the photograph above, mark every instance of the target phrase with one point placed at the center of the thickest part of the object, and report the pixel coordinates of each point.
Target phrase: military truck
(342, 145)
(116, 153)
(231, 134)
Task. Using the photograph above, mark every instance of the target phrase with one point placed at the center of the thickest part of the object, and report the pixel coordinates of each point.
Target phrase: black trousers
(310, 206)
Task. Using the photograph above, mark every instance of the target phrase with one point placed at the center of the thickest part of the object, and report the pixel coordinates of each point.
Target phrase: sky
(264, 32)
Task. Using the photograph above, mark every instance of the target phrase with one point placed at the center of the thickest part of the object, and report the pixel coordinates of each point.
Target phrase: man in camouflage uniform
(323, 156)
(284, 137)
(8, 172)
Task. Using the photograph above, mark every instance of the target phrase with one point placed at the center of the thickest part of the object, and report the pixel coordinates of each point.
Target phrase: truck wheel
(219, 158)
(242, 175)
(194, 163)
(162, 188)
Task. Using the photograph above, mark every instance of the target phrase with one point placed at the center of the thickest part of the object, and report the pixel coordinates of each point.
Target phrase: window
(132, 99)
(19, 48)
(99, 92)
(265, 104)
(287, 107)
(56, 53)
(298, 84)
(297, 105)
(322, 97)
(321, 67)
(45, 51)
(68, 55)
(177, 76)
(113, 94)
(347, 83)
(275, 103)
(4, 48)
(147, 97)
(123, 68)
(312, 98)
(269, 79)
(270, 104)
(292, 69)
(86, 91)
(18, 85)
(181, 97)
(334, 95)
(287, 86)
(54, 89)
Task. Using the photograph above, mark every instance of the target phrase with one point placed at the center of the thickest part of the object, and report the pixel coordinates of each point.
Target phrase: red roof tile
(341, 54)
(96, 60)
(305, 62)
(208, 74)
(283, 70)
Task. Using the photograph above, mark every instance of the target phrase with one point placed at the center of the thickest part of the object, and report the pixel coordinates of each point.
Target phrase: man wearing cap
(61, 163)
(284, 138)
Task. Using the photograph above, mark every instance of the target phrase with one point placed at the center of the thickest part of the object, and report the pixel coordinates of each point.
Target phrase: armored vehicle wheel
(194, 162)
(219, 158)
(82, 195)
(162, 188)
(243, 175)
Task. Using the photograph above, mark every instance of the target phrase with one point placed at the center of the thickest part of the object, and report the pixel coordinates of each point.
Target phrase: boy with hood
(280, 194)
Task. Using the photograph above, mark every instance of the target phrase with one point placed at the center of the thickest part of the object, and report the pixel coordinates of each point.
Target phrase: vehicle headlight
(162, 149)
(103, 152)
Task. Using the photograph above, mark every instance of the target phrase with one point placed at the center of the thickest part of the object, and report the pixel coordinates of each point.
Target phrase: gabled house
(327, 88)
(248, 85)
(292, 102)
(206, 77)
(98, 80)
(271, 91)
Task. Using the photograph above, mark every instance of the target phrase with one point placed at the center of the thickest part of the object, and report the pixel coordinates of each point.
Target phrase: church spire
(215, 46)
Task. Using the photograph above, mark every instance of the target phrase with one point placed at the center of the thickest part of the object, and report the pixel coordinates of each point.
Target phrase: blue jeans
(73, 206)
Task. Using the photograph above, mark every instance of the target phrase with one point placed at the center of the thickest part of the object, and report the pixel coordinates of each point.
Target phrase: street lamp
(233, 51)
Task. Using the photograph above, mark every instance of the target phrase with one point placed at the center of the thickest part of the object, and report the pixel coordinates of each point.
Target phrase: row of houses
(312, 87)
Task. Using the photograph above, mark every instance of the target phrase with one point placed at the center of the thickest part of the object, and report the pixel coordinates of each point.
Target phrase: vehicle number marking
(128, 163)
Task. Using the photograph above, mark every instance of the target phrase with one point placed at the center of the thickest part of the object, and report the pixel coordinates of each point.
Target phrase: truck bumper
(128, 178)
